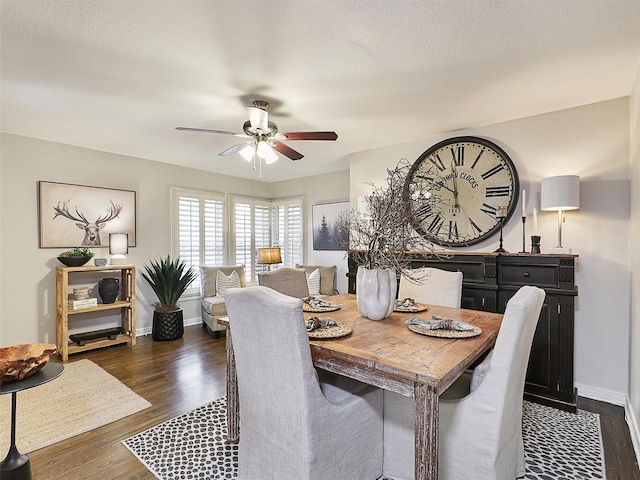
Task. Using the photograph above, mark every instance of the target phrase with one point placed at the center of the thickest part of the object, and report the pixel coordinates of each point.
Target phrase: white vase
(376, 292)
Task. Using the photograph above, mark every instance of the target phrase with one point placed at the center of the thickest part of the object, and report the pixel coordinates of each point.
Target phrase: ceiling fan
(264, 137)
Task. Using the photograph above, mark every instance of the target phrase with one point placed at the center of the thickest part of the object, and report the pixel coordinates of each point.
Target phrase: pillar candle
(535, 221)
(524, 202)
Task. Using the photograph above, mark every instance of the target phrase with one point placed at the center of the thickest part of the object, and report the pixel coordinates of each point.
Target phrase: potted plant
(382, 240)
(169, 279)
(75, 257)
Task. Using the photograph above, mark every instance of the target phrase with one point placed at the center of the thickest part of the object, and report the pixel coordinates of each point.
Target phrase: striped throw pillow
(223, 282)
(313, 282)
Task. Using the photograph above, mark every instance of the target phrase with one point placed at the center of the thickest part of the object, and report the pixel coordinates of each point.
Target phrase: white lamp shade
(247, 152)
(118, 243)
(560, 193)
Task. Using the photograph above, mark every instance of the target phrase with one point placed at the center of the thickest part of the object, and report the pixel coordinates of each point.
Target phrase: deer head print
(91, 230)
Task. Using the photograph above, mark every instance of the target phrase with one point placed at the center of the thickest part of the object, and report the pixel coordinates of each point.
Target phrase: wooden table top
(389, 347)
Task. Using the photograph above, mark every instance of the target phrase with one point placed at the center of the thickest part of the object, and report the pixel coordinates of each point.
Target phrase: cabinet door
(479, 299)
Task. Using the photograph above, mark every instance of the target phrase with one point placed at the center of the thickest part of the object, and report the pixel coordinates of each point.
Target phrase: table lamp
(269, 256)
(560, 194)
(118, 247)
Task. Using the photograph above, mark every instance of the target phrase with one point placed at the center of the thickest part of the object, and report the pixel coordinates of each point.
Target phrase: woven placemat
(342, 330)
(329, 308)
(419, 307)
(446, 333)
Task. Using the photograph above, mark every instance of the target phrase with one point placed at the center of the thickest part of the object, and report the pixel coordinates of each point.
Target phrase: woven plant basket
(167, 325)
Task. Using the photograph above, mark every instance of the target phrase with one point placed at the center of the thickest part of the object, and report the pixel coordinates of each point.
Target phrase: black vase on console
(109, 289)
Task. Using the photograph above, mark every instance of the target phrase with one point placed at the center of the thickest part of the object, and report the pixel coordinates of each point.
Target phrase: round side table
(16, 465)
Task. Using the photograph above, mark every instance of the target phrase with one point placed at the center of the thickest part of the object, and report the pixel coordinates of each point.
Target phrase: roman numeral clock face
(468, 180)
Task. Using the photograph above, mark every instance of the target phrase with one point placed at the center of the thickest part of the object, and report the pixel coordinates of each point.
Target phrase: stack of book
(84, 303)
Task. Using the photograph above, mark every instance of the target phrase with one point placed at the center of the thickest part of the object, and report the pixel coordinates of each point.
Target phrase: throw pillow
(313, 282)
(223, 282)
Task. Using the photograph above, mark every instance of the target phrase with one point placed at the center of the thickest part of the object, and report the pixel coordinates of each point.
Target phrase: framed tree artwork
(325, 220)
(78, 215)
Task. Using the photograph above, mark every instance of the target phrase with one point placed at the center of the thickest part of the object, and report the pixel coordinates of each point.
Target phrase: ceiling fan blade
(206, 130)
(234, 149)
(286, 150)
(259, 118)
(311, 135)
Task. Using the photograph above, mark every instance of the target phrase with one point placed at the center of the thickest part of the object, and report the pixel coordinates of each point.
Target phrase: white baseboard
(602, 394)
(632, 421)
(615, 398)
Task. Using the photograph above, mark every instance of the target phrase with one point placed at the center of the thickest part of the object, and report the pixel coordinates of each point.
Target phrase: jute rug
(83, 398)
(557, 445)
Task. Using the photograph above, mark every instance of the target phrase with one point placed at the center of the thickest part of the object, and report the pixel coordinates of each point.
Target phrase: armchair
(212, 304)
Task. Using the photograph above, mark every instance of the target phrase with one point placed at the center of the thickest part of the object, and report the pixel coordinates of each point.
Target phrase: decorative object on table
(313, 304)
(264, 139)
(18, 362)
(560, 194)
(269, 256)
(409, 305)
(82, 304)
(99, 262)
(75, 257)
(535, 244)
(118, 248)
(324, 219)
(440, 327)
(73, 215)
(318, 328)
(501, 214)
(109, 289)
(475, 176)
(381, 233)
(169, 279)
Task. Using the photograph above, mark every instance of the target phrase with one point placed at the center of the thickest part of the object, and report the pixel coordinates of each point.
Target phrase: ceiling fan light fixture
(247, 152)
(266, 152)
(259, 118)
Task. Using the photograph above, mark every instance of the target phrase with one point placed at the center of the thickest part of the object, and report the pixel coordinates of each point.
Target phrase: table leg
(426, 432)
(16, 465)
(233, 406)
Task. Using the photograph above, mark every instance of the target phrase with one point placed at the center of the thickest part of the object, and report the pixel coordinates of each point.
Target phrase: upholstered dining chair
(292, 426)
(480, 432)
(437, 287)
(290, 281)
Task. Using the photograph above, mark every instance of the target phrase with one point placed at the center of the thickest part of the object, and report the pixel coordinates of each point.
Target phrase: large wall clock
(474, 178)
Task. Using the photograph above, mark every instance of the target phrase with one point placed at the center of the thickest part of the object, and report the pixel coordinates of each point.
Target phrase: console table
(491, 279)
(16, 465)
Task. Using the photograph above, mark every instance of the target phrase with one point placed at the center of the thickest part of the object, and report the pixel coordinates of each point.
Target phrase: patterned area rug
(558, 445)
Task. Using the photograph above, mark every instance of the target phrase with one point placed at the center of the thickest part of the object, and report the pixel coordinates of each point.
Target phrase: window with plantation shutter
(198, 226)
(259, 223)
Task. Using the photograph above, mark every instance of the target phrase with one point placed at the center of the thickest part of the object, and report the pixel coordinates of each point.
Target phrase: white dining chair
(480, 422)
(436, 287)
(293, 426)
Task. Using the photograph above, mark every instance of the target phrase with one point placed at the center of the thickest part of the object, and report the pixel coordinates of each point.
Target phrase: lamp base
(118, 260)
(556, 250)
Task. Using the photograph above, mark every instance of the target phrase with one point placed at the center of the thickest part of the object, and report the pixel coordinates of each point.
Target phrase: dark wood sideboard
(490, 280)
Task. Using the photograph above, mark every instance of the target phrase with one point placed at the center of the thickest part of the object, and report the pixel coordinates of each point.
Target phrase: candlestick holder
(524, 248)
(500, 215)
(535, 243)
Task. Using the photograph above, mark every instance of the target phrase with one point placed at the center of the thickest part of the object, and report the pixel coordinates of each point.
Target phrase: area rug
(83, 398)
(192, 446)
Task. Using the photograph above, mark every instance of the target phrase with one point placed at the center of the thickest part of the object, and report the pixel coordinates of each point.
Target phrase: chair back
(437, 287)
(286, 280)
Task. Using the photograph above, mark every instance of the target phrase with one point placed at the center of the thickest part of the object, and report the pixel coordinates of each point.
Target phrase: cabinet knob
(526, 274)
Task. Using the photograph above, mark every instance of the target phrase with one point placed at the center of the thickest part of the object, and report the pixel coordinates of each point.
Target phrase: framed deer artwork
(83, 216)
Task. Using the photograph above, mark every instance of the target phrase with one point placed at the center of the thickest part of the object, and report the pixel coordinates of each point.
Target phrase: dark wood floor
(180, 375)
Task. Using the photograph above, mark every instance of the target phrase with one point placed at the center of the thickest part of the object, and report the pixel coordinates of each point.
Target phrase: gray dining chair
(480, 422)
(292, 425)
(436, 287)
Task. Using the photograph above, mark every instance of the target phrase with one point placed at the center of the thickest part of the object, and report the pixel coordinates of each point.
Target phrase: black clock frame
(470, 139)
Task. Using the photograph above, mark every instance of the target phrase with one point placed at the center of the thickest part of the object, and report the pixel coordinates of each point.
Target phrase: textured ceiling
(119, 76)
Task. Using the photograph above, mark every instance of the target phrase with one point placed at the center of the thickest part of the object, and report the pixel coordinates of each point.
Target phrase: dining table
(388, 355)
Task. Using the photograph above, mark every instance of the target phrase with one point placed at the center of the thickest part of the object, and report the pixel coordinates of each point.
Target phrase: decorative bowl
(18, 362)
(74, 261)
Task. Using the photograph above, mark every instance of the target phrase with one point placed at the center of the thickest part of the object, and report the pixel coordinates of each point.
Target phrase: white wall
(633, 411)
(590, 141)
